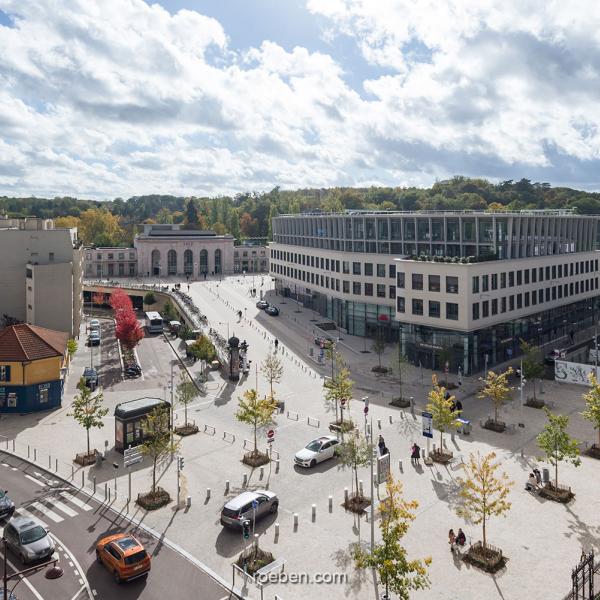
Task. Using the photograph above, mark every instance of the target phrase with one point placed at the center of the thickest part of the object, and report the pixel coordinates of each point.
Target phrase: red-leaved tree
(120, 301)
(98, 298)
(128, 330)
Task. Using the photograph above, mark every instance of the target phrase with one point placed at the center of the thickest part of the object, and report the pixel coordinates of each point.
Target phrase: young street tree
(397, 367)
(87, 409)
(556, 443)
(495, 388)
(149, 299)
(355, 453)
(71, 347)
(389, 558)
(272, 369)
(339, 387)
(185, 393)
(378, 346)
(157, 443)
(533, 366)
(443, 418)
(255, 411)
(483, 491)
(592, 404)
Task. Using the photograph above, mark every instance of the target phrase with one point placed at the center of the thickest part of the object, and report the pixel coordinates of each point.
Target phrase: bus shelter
(128, 420)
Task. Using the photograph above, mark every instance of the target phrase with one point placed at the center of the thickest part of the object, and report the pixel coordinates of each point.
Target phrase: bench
(273, 566)
(334, 428)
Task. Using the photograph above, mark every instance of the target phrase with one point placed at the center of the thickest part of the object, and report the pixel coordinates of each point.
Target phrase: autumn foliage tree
(127, 328)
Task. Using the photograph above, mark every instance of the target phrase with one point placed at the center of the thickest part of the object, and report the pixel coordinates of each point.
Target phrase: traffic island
(357, 503)
(256, 458)
(488, 558)
(441, 456)
(153, 500)
(593, 451)
(535, 403)
(492, 425)
(562, 494)
(84, 459)
(253, 559)
(188, 429)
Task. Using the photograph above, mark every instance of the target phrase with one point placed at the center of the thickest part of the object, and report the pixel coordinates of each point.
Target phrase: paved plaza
(541, 539)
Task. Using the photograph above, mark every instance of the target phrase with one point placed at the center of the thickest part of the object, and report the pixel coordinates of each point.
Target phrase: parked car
(324, 342)
(7, 506)
(124, 556)
(272, 310)
(29, 539)
(94, 325)
(94, 338)
(91, 378)
(316, 451)
(238, 509)
(262, 304)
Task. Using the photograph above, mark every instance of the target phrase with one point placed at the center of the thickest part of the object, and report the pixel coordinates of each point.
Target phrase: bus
(154, 322)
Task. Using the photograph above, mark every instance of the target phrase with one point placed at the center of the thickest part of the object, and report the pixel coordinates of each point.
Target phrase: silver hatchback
(247, 505)
(29, 539)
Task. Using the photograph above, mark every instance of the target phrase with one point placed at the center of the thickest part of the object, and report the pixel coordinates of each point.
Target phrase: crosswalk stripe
(64, 508)
(76, 501)
(46, 511)
(37, 481)
(25, 513)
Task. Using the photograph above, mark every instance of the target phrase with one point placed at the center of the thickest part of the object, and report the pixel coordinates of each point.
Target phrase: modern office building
(41, 274)
(458, 287)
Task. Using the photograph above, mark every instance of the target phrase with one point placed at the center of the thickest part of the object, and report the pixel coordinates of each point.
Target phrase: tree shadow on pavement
(344, 561)
(447, 491)
(587, 535)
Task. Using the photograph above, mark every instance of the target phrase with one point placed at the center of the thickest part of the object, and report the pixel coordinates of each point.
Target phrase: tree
(98, 299)
(87, 409)
(340, 386)
(185, 393)
(255, 411)
(128, 330)
(157, 442)
(203, 349)
(354, 453)
(71, 347)
(443, 417)
(484, 493)
(556, 443)
(272, 369)
(592, 403)
(120, 301)
(66, 222)
(389, 558)
(98, 227)
(496, 389)
(192, 218)
(149, 298)
(164, 216)
(168, 311)
(247, 225)
(533, 366)
(397, 367)
(378, 346)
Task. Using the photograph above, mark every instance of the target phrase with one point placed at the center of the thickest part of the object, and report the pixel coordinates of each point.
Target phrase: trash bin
(545, 476)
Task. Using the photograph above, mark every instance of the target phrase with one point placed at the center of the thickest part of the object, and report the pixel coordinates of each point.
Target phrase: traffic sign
(383, 468)
(427, 424)
(271, 434)
(366, 410)
(343, 401)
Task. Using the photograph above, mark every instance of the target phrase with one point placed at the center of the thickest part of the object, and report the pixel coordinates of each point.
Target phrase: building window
(110, 256)
(485, 283)
(400, 279)
(519, 301)
(121, 255)
(368, 289)
(502, 280)
(526, 299)
(434, 283)
(345, 267)
(434, 309)
(132, 256)
(527, 276)
(452, 285)
(380, 290)
(511, 303)
(503, 304)
(5, 373)
(369, 269)
(88, 256)
(485, 309)
(346, 287)
(511, 279)
(495, 281)
(519, 277)
(533, 275)
(380, 270)
(356, 288)
(400, 304)
(417, 306)
(356, 268)
(392, 271)
(451, 311)
(475, 284)
(98, 256)
(494, 307)
(475, 311)
(417, 281)
(392, 291)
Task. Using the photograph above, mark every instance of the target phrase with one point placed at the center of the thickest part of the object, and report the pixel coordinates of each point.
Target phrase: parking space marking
(35, 480)
(46, 511)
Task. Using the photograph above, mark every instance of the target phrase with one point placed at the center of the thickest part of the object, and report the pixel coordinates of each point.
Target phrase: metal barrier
(214, 431)
(227, 435)
(313, 422)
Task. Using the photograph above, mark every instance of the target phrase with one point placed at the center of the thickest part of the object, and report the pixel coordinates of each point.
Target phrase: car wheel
(117, 576)
(274, 507)
(313, 463)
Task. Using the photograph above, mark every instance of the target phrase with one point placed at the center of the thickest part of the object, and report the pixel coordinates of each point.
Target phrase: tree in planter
(533, 367)
(339, 387)
(186, 333)
(556, 443)
(157, 444)
(149, 299)
(444, 356)
(398, 367)
(443, 418)
(185, 393)
(203, 349)
(88, 410)
(354, 453)
(272, 369)
(168, 311)
(389, 558)
(496, 388)
(255, 411)
(127, 329)
(378, 347)
(484, 492)
(592, 404)
(71, 347)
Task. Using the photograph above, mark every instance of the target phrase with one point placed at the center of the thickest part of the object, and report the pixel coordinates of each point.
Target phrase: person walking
(452, 540)
(276, 344)
(381, 445)
(415, 454)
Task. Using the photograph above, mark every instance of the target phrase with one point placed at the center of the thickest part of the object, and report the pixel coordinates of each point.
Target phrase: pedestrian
(461, 538)
(276, 343)
(381, 445)
(415, 454)
(532, 484)
(452, 540)
(538, 476)
(459, 406)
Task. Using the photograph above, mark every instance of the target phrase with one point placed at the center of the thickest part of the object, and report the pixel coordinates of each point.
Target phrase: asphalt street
(77, 523)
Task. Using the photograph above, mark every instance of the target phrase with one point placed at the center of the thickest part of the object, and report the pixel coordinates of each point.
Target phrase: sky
(116, 98)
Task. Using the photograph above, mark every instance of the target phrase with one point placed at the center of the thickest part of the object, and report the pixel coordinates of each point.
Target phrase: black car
(272, 310)
(7, 506)
(91, 378)
(262, 304)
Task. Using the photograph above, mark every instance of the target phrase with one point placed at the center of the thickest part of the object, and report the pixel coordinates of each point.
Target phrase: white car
(317, 451)
(94, 325)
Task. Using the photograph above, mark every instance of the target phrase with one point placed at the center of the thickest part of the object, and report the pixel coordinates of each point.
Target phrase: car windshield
(315, 446)
(2, 494)
(33, 535)
(135, 558)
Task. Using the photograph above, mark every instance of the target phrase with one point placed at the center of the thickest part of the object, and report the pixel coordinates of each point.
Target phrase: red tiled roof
(23, 342)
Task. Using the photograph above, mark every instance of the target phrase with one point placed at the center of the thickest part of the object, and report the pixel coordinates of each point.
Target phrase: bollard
(314, 512)
(261, 472)
(188, 501)
(330, 501)
(360, 488)
(345, 495)
(226, 487)
(105, 491)
(391, 419)
(72, 472)
(208, 493)
(434, 448)
(82, 479)
(379, 423)
(400, 465)
(49, 462)
(56, 465)
(13, 445)
(35, 455)
(295, 521)
(245, 480)
(27, 450)
(109, 495)
(277, 466)
(94, 482)
(276, 531)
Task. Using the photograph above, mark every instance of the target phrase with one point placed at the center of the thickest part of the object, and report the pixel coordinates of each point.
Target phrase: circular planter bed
(535, 403)
(560, 494)
(489, 559)
(497, 426)
(378, 369)
(594, 451)
(153, 500)
(356, 503)
(255, 458)
(84, 459)
(442, 457)
(400, 402)
(186, 430)
(254, 559)
(341, 426)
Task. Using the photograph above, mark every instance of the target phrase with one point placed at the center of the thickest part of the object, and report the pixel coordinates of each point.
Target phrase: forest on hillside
(248, 215)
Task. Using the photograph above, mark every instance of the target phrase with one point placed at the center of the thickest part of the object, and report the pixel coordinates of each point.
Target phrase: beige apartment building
(463, 287)
(41, 274)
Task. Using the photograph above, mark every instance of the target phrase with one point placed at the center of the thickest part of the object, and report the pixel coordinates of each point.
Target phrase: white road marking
(36, 481)
(5, 464)
(46, 511)
(27, 582)
(70, 564)
(25, 513)
(64, 508)
(79, 591)
(76, 501)
(77, 566)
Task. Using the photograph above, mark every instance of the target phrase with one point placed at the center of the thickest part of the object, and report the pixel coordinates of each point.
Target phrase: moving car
(272, 310)
(94, 338)
(238, 509)
(7, 506)
(94, 325)
(91, 378)
(124, 556)
(316, 451)
(28, 538)
(324, 342)
(262, 304)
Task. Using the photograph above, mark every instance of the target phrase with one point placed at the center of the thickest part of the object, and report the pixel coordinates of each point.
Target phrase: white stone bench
(273, 566)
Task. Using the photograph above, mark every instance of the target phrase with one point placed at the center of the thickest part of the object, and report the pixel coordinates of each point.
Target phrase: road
(77, 523)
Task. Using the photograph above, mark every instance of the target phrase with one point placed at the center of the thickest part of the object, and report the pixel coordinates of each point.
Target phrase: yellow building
(33, 361)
